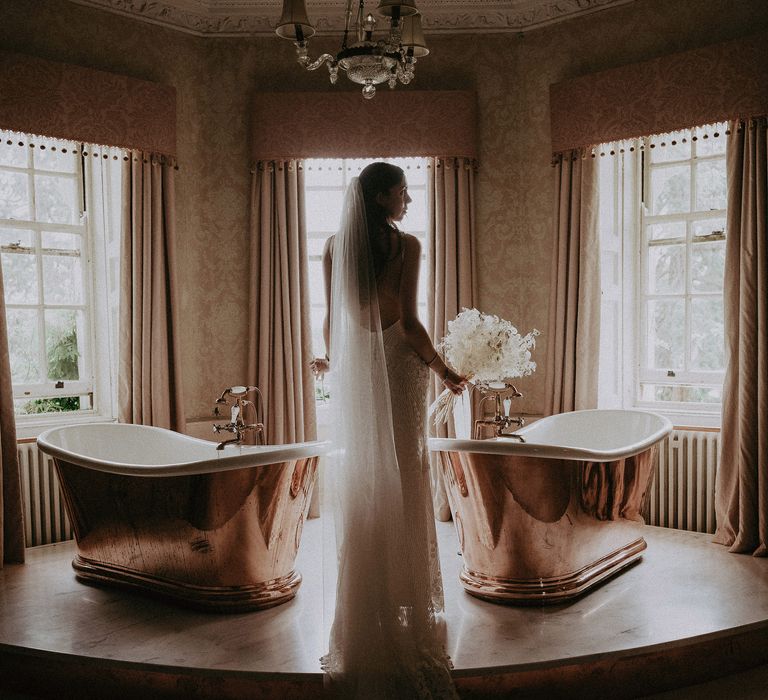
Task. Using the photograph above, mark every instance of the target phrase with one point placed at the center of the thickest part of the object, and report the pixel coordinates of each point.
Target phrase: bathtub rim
(510, 446)
(232, 457)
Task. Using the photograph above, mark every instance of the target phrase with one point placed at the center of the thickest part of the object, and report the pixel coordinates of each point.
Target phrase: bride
(385, 641)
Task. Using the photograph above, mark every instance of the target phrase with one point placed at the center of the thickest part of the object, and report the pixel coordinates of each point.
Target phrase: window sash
(53, 388)
(685, 375)
(627, 375)
(343, 169)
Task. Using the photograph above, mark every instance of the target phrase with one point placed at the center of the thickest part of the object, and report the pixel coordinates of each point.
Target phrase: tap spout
(237, 424)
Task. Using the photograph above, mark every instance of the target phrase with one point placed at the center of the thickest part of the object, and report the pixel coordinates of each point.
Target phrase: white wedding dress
(408, 385)
(386, 636)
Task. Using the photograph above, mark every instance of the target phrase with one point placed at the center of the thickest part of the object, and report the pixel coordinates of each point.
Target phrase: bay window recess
(59, 240)
(662, 235)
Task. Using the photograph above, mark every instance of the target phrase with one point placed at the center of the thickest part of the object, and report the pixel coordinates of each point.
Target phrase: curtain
(149, 384)
(450, 273)
(573, 338)
(11, 519)
(741, 489)
(279, 335)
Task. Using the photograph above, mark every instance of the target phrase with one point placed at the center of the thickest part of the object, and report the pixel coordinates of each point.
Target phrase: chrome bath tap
(237, 424)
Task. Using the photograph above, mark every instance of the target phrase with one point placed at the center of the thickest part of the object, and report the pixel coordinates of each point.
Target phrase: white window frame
(351, 167)
(96, 362)
(620, 378)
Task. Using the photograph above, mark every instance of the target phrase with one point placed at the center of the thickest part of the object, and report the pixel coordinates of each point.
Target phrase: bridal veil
(384, 641)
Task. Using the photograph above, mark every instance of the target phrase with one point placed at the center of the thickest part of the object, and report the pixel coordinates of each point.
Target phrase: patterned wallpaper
(68, 102)
(216, 80)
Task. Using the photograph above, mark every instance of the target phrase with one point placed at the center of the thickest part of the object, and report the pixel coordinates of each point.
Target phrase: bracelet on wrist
(434, 357)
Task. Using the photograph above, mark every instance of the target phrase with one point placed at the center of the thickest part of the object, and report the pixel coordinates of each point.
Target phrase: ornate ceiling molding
(244, 18)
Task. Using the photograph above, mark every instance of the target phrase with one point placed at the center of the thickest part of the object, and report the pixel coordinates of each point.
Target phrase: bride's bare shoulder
(412, 244)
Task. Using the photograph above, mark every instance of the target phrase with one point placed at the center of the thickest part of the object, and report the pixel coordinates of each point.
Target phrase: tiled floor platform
(688, 612)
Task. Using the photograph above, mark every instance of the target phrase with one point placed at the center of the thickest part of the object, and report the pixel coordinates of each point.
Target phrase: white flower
(484, 348)
(487, 347)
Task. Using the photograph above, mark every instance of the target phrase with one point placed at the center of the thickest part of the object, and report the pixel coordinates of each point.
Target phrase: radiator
(45, 519)
(683, 491)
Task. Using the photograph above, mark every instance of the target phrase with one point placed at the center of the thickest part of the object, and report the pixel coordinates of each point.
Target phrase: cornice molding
(246, 18)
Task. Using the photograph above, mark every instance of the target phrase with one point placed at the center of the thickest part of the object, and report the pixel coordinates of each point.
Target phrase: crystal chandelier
(367, 61)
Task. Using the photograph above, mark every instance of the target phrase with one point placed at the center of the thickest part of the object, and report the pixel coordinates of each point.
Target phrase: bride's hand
(320, 365)
(454, 382)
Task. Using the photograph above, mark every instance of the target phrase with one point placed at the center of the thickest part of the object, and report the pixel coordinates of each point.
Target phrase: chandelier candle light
(367, 61)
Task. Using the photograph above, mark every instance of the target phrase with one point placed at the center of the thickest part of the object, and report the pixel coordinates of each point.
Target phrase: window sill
(29, 429)
(686, 420)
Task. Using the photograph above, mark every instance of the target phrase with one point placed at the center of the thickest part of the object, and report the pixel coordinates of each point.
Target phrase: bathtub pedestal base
(558, 589)
(214, 598)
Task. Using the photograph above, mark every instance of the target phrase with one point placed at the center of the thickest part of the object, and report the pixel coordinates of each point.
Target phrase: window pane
(667, 230)
(20, 278)
(666, 328)
(666, 269)
(26, 407)
(316, 282)
(12, 154)
(61, 241)
(415, 220)
(315, 245)
(61, 343)
(415, 170)
(680, 151)
(711, 146)
(23, 345)
(710, 185)
(670, 190)
(324, 210)
(681, 393)
(354, 166)
(707, 337)
(607, 196)
(55, 199)
(317, 315)
(62, 279)
(17, 237)
(421, 298)
(14, 196)
(323, 172)
(707, 266)
(48, 159)
(709, 227)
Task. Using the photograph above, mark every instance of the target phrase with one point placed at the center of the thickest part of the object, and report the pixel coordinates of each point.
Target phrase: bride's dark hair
(379, 178)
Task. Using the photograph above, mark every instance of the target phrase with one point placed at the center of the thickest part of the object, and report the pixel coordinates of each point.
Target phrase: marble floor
(684, 592)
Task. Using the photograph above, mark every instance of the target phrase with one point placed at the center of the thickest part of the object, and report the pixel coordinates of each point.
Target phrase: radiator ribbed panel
(683, 492)
(45, 519)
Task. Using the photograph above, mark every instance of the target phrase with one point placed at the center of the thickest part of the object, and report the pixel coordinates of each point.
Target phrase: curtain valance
(71, 102)
(711, 84)
(343, 125)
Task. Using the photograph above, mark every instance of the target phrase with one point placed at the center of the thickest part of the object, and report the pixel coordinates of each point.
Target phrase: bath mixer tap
(495, 427)
(236, 424)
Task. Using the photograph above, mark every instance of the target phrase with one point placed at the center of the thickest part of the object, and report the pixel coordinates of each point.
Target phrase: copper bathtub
(170, 515)
(544, 517)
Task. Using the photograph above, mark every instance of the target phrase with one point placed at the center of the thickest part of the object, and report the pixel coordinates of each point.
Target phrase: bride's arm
(415, 333)
(322, 364)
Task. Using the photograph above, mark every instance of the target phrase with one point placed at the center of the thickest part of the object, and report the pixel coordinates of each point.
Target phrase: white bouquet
(486, 350)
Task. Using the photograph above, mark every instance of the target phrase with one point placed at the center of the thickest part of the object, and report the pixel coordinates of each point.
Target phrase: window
(325, 183)
(662, 236)
(56, 271)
